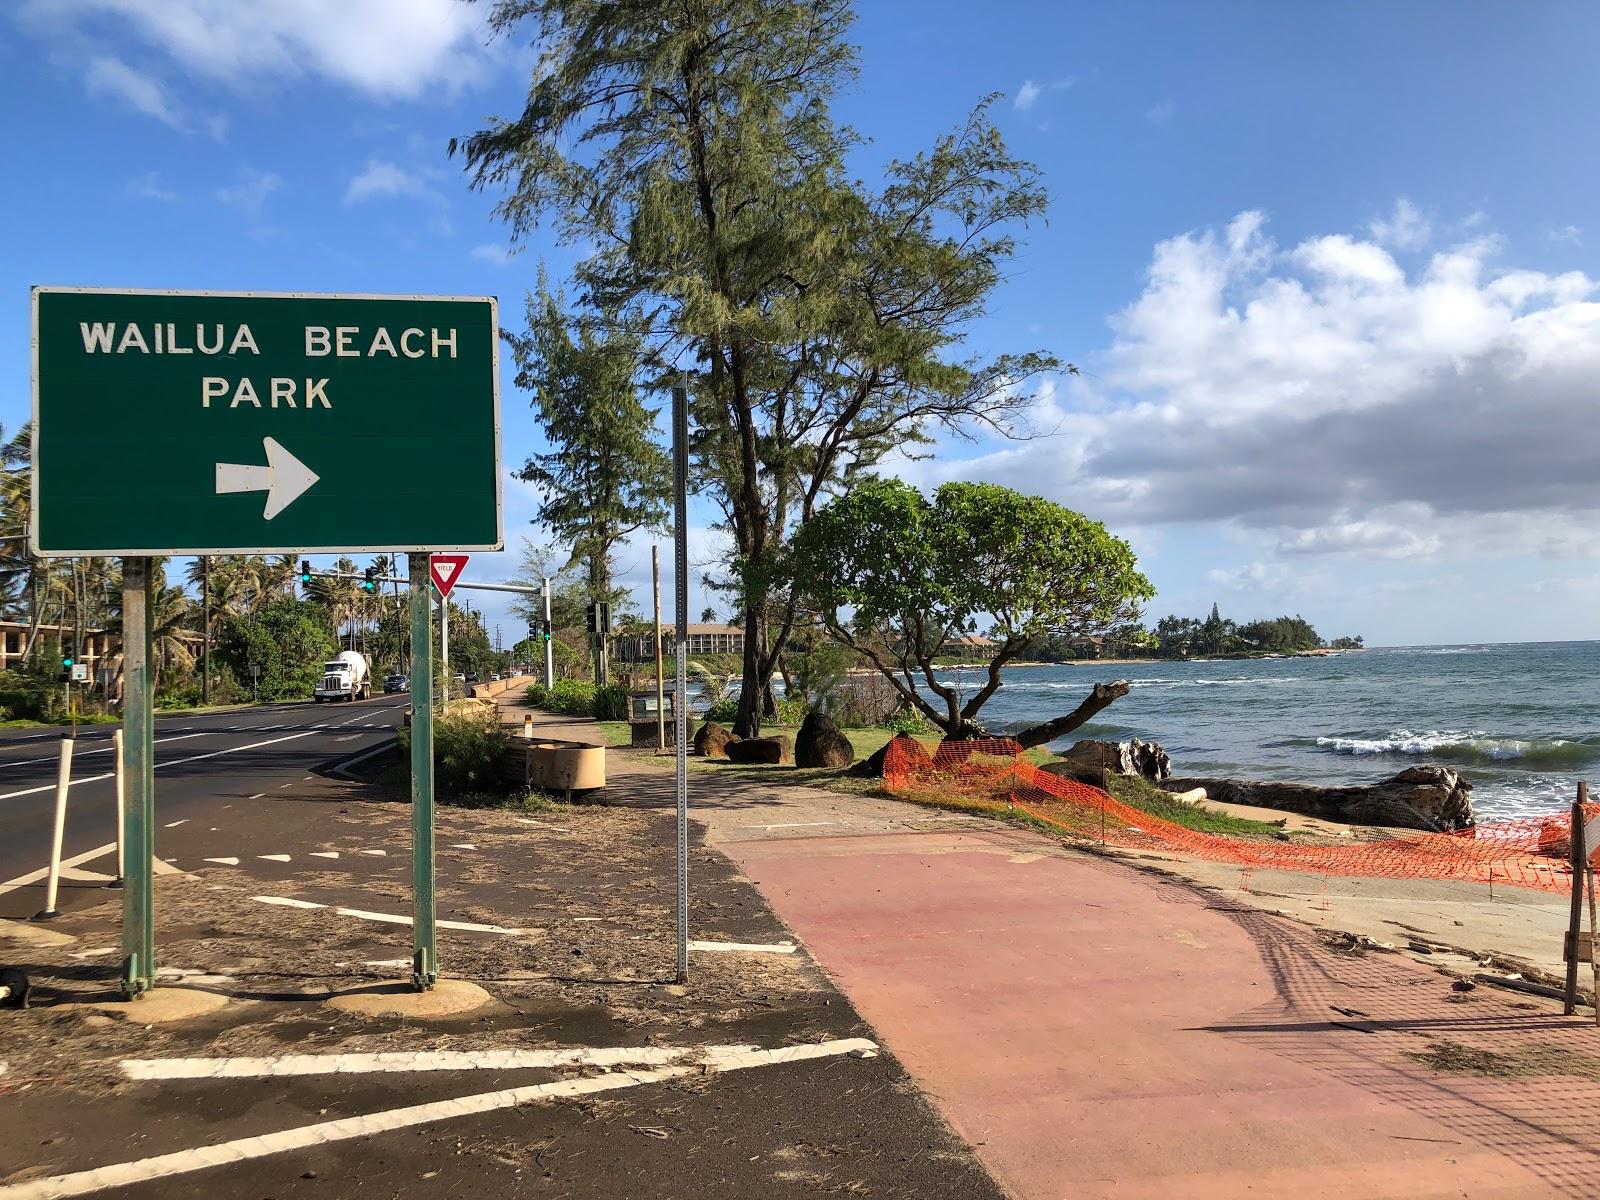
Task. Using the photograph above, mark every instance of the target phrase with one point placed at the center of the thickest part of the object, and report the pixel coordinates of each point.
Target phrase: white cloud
(1319, 401)
(149, 187)
(1568, 233)
(1161, 114)
(385, 48)
(108, 76)
(492, 253)
(250, 192)
(1027, 95)
(382, 178)
(1404, 229)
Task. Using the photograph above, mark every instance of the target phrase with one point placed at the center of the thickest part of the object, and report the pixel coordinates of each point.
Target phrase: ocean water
(1522, 722)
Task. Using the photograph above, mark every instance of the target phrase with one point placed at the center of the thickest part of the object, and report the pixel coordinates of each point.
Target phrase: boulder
(872, 768)
(767, 750)
(1132, 757)
(821, 743)
(1433, 798)
(711, 740)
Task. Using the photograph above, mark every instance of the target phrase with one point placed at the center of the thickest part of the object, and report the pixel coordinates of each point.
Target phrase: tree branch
(1103, 696)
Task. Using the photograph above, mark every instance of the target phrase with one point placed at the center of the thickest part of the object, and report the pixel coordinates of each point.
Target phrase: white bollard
(122, 799)
(63, 781)
(527, 727)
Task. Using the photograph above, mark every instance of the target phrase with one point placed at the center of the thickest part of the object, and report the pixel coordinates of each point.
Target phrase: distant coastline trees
(1194, 637)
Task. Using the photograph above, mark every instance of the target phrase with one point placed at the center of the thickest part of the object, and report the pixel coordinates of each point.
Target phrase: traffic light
(305, 571)
(67, 659)
(546, 629)
(369, 581)
(600, 617)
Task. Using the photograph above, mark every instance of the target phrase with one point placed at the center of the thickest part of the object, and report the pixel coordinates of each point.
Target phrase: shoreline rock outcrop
(1432, 798)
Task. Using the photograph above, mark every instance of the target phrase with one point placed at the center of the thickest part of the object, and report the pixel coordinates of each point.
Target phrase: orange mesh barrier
(996, 776)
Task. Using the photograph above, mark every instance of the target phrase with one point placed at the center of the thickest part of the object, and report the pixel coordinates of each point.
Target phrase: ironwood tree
(690, 147)
(897, 577)
(605, 475)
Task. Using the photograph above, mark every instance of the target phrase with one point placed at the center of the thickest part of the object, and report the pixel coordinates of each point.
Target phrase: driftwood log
(1433, 798)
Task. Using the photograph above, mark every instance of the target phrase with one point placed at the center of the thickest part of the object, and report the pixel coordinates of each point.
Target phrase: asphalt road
(202, 764)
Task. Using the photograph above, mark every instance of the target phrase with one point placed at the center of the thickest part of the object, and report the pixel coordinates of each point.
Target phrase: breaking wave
(1471, 747)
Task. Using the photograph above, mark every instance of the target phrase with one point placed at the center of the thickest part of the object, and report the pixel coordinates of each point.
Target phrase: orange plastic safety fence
(995, 775)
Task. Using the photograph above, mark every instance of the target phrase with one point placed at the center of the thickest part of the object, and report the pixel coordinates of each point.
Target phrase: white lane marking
(389, 918)
(258, 795)
(327, 854)
(462, 846)
(122, 1175)
(377, 853)
(289, 784)
(275, 857)
(12, 885)
(76, 754)
(423, 1060)
(227, 862)
(343, 768)
(588, 918)
(793, 825)
(96, 953)
(175, 824)
(160, 766)
(746, 947)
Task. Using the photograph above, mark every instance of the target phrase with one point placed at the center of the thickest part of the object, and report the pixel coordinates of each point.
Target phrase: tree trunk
(1103, 696)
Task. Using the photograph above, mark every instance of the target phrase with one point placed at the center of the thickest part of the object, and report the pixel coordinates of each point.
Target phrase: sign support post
(425, 959)
(680, 584)
(138, 767)
(661, 692)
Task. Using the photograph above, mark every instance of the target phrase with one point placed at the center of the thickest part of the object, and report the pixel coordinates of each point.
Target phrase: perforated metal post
(680, 582)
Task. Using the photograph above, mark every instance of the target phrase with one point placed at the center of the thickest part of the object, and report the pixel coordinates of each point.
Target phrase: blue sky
(1329, 269)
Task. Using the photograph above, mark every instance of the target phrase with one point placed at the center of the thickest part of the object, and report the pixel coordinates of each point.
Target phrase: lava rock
(711, 740)
(768, 751)
(821, 743)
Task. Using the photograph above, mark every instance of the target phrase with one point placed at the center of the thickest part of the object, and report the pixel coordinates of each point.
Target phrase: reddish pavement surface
(1095, 1030)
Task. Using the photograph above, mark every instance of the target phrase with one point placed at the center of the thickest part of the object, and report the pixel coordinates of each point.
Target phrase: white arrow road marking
(303, 1137)
(284, 479)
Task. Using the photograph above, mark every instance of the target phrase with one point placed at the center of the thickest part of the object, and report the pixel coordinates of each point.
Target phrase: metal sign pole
(425, 959)
(680, 483)
(138, 763)
(444, 643)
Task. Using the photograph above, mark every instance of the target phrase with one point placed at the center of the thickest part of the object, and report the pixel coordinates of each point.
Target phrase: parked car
(472, 677)
(397, 683)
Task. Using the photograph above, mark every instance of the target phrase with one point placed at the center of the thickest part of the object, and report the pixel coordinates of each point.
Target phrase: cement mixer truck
(344, 678)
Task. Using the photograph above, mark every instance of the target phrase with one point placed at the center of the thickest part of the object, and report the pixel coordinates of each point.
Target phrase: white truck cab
(344, 678)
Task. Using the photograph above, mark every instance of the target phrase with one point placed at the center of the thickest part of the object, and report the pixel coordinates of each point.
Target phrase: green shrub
(610, 703)
(723, 709)
(907, 720)
(536, 695)
(466, 754)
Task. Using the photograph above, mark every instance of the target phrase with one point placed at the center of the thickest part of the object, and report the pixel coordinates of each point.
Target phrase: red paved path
(1097, 1031)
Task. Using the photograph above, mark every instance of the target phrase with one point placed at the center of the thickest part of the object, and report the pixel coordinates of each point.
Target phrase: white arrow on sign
(284, 479)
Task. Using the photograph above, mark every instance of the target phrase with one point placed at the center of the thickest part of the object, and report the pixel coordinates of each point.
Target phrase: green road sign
(230, 422)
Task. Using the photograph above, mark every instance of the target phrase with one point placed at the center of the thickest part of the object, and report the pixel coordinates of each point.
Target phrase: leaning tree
(896, 577)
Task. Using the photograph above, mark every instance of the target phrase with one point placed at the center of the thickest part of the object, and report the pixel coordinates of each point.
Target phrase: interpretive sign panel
(240, 423)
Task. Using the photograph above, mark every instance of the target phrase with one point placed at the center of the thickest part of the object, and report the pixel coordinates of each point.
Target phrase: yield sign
(446, 569)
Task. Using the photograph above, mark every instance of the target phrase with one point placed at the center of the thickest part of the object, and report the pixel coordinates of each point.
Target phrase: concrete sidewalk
(1095, 1029)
